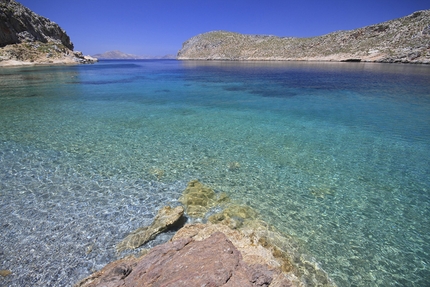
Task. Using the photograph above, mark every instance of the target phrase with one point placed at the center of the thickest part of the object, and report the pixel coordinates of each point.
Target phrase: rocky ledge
(233, 248)
(29, 39)
(403, 40)
(213, 261)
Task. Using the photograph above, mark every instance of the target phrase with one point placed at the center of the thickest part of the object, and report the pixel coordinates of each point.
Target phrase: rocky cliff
(405, 40)
(26, 37)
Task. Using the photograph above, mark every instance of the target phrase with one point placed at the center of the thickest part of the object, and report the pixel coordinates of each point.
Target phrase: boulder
(214, 261)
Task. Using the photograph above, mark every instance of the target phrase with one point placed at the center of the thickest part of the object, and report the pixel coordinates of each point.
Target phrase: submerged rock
(166, 218)
(234, 216)
(5, 273)
(198, 199)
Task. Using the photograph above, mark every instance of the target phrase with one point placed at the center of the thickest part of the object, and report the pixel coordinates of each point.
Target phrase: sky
(159, 27)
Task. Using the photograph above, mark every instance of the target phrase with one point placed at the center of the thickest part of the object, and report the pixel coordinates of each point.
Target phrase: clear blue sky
(159, 27)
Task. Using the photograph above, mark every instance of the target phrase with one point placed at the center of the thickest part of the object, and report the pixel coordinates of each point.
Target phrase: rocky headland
(29, 39)
(403, 40)
(233, 247)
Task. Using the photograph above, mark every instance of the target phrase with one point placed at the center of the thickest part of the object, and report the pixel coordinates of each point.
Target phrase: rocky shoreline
(233, 248)
(403, 40)
(37, 53)
(30, 39)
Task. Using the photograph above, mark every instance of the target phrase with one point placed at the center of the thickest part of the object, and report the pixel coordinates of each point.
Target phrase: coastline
(41, 54)
(326, 59)
(67, 60)
(15, 63)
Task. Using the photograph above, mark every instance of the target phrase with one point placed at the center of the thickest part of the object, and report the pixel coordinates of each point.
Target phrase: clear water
(336, 155)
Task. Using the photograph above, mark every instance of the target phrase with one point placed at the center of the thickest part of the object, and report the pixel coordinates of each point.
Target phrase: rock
(29, 39)
(390, 39)
(213, 261)
(89, 60)
(5, 273)
(84, 59)
(19, 24)
(234, 248)
(198, 199)
(233, 215)
(165, 219)
(255, 247)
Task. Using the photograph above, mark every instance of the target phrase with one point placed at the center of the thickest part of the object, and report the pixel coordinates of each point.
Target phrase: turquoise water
(335, 155)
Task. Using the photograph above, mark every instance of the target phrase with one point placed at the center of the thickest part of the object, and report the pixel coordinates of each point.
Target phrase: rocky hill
(27, 38)
(405, 40)
(118, 55)
(115, 55)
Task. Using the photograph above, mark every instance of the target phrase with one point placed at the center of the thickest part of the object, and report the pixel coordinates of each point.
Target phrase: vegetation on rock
(27, 38)
(405, 40)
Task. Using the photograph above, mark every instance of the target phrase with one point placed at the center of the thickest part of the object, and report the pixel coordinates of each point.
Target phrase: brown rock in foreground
(214, 261)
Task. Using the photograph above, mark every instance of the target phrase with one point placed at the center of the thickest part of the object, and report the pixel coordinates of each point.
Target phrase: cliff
(405, 40)
(27, 38)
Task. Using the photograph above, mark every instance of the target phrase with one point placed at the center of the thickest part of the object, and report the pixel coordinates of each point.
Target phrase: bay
(334, 155)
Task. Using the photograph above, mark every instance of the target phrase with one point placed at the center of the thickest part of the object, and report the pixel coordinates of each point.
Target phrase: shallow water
(335, 155)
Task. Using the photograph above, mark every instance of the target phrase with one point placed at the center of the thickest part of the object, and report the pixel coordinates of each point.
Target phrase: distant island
(29, 39)
(118, 55)
(403, 40)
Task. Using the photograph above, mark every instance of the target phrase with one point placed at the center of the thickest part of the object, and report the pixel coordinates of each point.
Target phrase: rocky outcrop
(405, 40)
(27, 39)
(213, 261)
(234, 248)
(19, 24)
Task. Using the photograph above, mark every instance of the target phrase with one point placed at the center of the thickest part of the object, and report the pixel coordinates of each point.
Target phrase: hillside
(27, 38)
(115, 55)
(118, 55)
(405, 40)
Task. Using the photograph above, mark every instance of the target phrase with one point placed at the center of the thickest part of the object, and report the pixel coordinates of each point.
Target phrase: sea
(336, 156)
